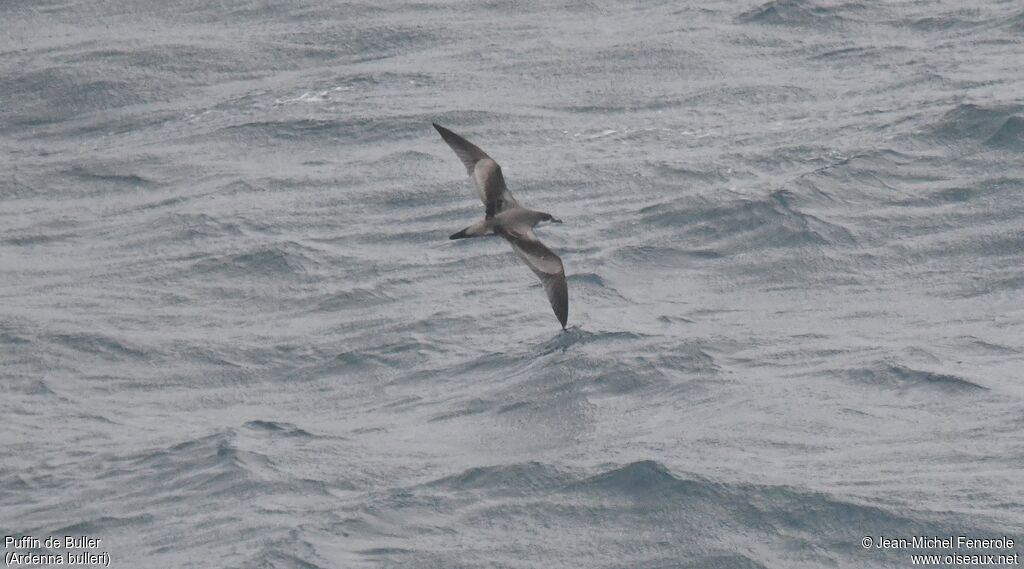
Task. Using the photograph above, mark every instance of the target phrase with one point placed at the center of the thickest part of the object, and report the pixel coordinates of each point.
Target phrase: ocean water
(233, 332)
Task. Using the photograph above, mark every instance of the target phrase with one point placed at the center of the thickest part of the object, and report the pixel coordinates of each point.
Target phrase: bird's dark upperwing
(546, 265)
(484, 170)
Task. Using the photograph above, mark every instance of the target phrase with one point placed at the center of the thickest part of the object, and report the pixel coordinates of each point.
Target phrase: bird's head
(550, 218)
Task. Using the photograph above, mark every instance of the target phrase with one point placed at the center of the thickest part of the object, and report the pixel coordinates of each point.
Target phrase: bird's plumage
(548, 268)
(504, 216)
(490, 183)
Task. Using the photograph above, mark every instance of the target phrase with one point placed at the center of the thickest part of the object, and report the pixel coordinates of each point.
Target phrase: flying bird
(505, 217)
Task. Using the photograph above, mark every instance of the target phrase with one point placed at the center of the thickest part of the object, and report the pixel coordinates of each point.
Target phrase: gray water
(233, 332)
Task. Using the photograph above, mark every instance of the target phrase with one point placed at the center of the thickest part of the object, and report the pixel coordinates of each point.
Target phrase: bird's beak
(555, 220)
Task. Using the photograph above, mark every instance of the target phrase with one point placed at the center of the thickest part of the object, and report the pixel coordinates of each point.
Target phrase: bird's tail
(478, 229)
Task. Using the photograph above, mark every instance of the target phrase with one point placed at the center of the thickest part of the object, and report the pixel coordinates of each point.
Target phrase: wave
(590, 285)
(552, 381)
(285, 429)
(670, 257)
(770, 95)
(269, 260)
(802, 13)
(212, 476)
(11, 338)
(511, 479)
(998, 128)
(575, 336)
(29, 386)
(671, 172)
(401, 360)
(55, 94)
(623, 508)
(100, 525)
(1009, 135)
(93, 176)
(325, 131)
(100, 345)
(215, 466)
(746, 225)
(976, 192)
(857, 54)
(353, 298)
(980, 346)
(645, 479)
(285, 130)
(902, 377)
(209, 466)
(279, 557)
(192, 226)
(1016, 22)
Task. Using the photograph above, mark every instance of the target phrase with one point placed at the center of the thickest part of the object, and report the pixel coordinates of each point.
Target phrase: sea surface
(234, 333)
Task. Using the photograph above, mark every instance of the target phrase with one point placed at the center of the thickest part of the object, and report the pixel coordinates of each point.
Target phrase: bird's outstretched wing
(484, 170)
(546, 265)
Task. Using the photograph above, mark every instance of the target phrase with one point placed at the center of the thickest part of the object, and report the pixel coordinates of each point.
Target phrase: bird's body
(505, 217)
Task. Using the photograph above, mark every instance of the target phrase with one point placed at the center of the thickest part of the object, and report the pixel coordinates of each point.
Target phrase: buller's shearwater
(505, 217)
